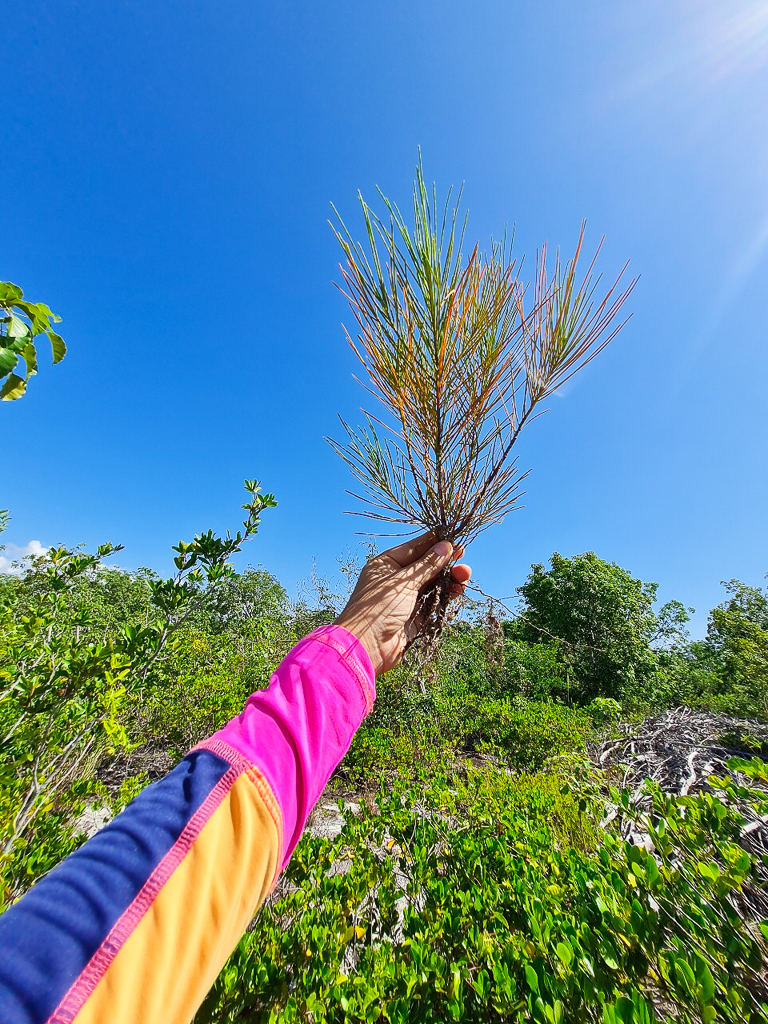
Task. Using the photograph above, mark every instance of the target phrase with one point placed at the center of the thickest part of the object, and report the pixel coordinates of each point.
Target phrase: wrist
(358, 628)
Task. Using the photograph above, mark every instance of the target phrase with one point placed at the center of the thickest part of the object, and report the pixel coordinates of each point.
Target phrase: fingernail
(442, 548)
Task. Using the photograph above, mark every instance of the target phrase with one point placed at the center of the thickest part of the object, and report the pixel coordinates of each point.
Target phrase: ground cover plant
(486, 897)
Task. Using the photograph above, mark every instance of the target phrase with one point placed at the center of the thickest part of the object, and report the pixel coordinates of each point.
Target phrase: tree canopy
(602, 615)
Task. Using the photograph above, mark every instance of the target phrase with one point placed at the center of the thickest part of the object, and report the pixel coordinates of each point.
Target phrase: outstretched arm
(134, 926)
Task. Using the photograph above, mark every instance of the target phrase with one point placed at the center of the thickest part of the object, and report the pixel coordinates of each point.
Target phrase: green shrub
(203, 683)
(75, 677)
(378, 754)
(61, 698)
(487, 662)
(604, 710)
(527, 733)
(536, 671)
(739, 701)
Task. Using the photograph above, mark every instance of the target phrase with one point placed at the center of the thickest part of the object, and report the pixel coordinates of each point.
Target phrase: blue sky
(166, 181)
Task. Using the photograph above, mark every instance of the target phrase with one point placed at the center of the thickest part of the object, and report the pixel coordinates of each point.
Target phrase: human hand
(382, 609)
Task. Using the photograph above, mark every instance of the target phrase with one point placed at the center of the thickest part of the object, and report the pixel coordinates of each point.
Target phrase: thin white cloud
(13, 557)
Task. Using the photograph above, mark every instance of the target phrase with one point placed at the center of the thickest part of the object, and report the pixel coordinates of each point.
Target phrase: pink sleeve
(297, 730)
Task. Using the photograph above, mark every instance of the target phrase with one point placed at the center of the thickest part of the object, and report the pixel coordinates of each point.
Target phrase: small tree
(604, 615)
(737, 637)
(461, 355)
(21, 323)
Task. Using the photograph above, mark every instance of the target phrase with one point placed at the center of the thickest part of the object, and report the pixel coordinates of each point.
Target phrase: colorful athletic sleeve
(134, 926)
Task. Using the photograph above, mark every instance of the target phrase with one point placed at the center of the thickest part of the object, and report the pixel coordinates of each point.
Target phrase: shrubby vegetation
(483, 870)
(83, 651)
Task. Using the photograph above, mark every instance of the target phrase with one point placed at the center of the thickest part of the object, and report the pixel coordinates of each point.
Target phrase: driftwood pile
(680, 749)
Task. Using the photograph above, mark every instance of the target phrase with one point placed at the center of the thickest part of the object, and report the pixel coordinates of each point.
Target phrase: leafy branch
(63, 693)
(21, 323)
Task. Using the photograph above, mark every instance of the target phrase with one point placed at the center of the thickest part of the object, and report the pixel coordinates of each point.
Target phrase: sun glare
(738, 42)
(711, 44)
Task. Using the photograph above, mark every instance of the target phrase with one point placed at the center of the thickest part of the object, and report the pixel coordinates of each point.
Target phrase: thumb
(427, 567)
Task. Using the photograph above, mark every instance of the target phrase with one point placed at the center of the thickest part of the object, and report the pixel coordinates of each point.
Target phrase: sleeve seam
(245, 766)
(345, 655)
(92, 973)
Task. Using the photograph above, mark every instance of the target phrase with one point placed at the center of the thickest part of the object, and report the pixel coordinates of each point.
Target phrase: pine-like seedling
(461, 355)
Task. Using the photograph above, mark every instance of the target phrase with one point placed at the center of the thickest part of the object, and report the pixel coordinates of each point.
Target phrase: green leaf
(706, 983)
(625, 1010)
(610, 961)
(8, 360)
(13, 388)
(15, 344)
(455, 982)
(17, 328)
(684, 970)
(565, 953)
(33, 311)
(10, 292)
(58, 347)
(588, 966)
(30, 358)
(532, 978)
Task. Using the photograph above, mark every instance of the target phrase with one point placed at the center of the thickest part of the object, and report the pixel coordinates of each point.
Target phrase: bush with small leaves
(525, 733)
(69, 689)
